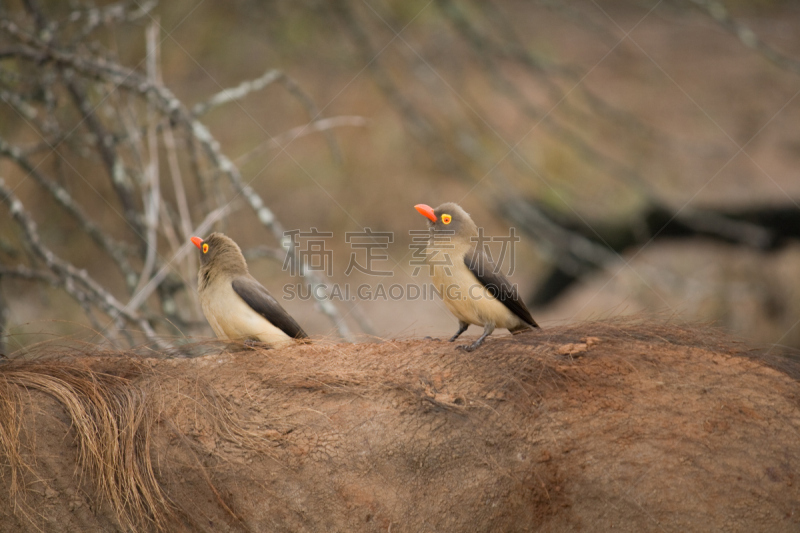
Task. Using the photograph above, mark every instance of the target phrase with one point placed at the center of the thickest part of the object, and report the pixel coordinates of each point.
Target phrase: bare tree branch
(301, 131)
(76, 282)
(105, 145)
(94, 17)
(152, 193)
(60, 195)
(73, 66)
(271, 76)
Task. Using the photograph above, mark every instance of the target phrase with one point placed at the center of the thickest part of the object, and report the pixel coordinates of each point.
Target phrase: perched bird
(470, 285)
(236, 305)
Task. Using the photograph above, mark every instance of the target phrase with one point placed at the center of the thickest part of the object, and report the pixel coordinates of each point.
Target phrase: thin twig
(237, 93)
(301, 131)
(717, 11)
(119, 12)
(184, 214)
(153, 199)
(268, 78)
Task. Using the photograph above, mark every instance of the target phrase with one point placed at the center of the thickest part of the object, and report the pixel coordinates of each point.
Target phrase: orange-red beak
(197, 241)
(426, 211)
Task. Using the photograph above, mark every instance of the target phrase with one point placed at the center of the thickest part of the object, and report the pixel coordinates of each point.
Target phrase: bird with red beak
(236, 305)
(470, 285)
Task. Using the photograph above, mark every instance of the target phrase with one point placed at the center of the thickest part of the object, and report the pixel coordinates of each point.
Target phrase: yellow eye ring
(446, 219)
(205, 248)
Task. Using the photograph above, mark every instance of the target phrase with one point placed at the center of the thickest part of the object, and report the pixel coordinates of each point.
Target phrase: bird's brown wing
(498, 285)
(262, 302)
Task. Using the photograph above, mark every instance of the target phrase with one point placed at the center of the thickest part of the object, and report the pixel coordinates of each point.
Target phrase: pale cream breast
(232, 318)
(466, 297)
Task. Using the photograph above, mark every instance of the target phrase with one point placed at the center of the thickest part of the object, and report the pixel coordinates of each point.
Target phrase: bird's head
(449, 219)
(220, 252)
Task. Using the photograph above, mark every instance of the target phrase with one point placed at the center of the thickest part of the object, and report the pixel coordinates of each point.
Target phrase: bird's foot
(474, 346)
(429, 338)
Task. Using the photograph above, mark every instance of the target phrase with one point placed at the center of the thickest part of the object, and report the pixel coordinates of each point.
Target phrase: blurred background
(645, 153)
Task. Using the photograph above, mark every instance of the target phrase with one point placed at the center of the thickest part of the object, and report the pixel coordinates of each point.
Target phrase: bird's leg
(462, 327)
(487, 330)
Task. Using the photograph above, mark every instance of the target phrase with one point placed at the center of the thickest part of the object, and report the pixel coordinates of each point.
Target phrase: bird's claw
(466, 347)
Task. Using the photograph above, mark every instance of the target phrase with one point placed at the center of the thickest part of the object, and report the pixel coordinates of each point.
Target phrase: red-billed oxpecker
(236, 305)
(470, 285)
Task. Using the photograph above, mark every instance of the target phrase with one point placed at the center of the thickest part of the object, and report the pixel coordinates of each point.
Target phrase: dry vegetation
(623, 425)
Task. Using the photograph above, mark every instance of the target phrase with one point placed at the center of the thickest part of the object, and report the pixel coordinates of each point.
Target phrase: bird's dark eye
(446, 219)
(205, 248)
